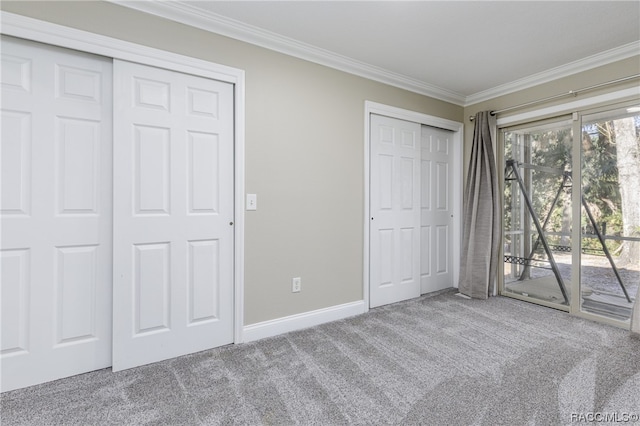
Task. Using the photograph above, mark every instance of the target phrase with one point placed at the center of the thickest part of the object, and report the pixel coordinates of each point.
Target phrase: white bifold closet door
(173, 214)
(56, 213)
(395, 210)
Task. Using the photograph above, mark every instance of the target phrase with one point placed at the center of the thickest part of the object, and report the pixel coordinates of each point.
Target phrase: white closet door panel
(16, 162)
(173, 261)
(16, 290)
(55, 212)
(436, 211)
(395, 210)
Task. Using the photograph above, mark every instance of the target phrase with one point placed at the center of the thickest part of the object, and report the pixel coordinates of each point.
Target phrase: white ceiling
(461, 51)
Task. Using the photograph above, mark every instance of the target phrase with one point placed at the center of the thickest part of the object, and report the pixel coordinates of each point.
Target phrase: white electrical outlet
(296, 285)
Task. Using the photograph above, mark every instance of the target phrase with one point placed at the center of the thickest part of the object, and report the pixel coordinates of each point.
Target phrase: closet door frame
(84, 41)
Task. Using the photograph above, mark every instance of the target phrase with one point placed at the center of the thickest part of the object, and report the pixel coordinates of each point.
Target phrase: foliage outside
(610, 152)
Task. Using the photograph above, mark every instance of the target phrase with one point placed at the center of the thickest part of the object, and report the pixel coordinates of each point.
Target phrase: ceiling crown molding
(176, 10)
(599, 59)
(195, 17)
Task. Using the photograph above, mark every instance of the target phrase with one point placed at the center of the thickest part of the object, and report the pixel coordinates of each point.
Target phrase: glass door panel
(610, 218)
(537, 213)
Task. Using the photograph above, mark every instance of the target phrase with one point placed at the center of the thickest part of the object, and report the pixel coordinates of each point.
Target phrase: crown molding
(176, 10)
(590, 62)
(194, 17)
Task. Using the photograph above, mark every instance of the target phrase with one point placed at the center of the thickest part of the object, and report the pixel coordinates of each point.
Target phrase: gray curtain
(481, 233)
(635, 315)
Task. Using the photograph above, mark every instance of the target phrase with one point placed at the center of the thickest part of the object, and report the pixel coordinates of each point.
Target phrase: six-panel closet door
(436, 217)
(173, 214)
(411, 207)
(56, 213)
(395, 210)
(153, 202)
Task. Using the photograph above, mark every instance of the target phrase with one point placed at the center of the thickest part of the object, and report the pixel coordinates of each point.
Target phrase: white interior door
(173, 214)
(395, 210)
(437, 209)
(55, 213)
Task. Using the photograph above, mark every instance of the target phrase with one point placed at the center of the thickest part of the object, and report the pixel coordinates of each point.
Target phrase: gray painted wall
(304, 155)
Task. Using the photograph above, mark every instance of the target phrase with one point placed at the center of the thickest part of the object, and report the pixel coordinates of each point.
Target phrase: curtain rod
(569, 93)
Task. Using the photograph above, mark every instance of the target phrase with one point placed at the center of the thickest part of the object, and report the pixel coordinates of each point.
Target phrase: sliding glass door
(537, 212)
(571, 213)
(610, 213)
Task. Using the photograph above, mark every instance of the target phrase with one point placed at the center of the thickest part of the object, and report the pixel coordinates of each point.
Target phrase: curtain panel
(481, 231)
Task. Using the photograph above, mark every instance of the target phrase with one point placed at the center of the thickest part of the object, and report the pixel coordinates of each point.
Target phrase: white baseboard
(299, 321)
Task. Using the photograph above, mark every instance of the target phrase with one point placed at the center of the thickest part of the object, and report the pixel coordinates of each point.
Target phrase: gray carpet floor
(440, 360)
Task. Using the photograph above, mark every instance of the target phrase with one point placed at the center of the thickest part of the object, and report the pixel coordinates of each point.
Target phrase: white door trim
(457, 128)
(58, 35)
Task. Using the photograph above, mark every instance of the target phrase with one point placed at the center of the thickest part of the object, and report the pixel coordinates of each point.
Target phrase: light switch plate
(252, 202)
